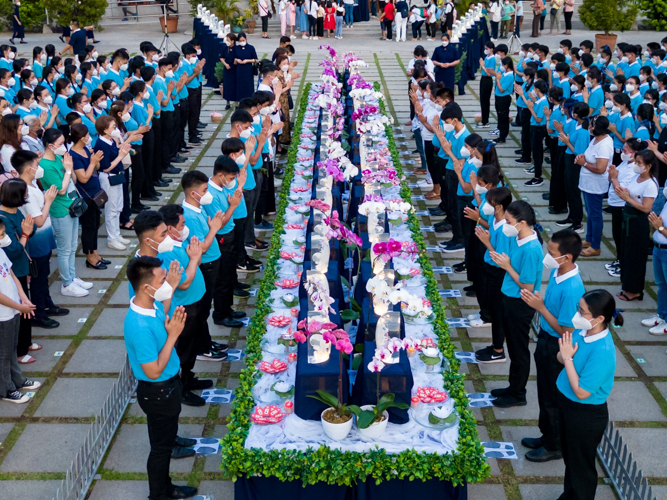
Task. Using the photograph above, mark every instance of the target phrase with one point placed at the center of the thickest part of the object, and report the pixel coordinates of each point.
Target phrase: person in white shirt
(263, 7)
(495, 11)
(416, 22)
(432, 26)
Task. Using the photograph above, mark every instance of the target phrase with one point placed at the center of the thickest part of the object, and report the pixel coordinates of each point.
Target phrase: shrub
(656, 13)
(88, 12)
(608, 15)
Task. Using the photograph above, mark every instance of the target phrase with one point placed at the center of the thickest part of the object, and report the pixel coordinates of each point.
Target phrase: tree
(33, 15)
(608, 15)
(656, 13)
(88, 12)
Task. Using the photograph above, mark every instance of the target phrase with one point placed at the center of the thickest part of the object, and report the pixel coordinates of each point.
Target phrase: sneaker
(255, 246)
(246, 268)
(424, 184)
(521, 161)
(460, 268)
(654, 320)
(454, 248)
(241, 294)
(482, 125)
(489, 355)
(494, 132)
(16, 397)
(442, 227)
(529, 171)
(86, 285)
(211, 355)
(229, 323)
(264, 226)
(508, 401)
(254, 262)
(479, 323)
(124, 241)
(614, 272)
(242, 286)
(564, 223)
(471, 317)
(534, 182)
(46, 323)
(218, 347)
(616, 263)
(116, 245)
(659, 330)
(31, 385)
(577, 228)
(73, 290)
(189, 398)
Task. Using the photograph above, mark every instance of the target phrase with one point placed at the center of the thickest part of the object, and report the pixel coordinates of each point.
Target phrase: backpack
(438, 13)
(403, 10)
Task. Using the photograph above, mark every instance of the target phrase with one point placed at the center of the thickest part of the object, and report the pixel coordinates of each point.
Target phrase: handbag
(100, 198)
(554, 11)
(117, 179)
(32, 267)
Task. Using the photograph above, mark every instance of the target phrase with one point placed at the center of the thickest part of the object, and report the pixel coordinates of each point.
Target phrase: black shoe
(471, 293)
(460, 268)
(241, 294)
(436, 212)
(555, 211)
(534, 182)
(247, 268)
(195, 384)
(171, 170)
(254, 262)
(532, 443)
(196, 140)
(189, 398)
(547, 160)
(489, 355)
(228, 106)
(202, 125)
(496, 393)
(545, 196)
(255, 246)
(518, 152)
(579, 228)
(508, 401)
(150, 198)
(244, 286)
(217, 347)
(442, 228)
(229, 323)
(136, 210)
(522, 161)
(564, 223)
(181, 452)
(185, 442)
(515, 124)
(238, 314)
(543, 455)
(103, 261)
(99, 265)
(160, 184)
(500, 141)
(179, 159)
(182, 492)
(59, 311)
(46, 323)
(212, 355)
(279, 172)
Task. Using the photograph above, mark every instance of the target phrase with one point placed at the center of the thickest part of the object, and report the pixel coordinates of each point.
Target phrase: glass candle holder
(318, 349)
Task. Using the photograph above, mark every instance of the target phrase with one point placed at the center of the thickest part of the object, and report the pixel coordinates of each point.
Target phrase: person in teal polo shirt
(488, 68)
(557, 308)
(584, 385)
(539, 111)
(596, 94)
(523, 268)
(225, 171)
(150, 337)
(118, 70)
(503, 97)
(193, 68)
(633, 66)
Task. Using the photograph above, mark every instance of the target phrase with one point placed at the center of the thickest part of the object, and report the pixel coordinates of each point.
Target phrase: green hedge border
(324, 464)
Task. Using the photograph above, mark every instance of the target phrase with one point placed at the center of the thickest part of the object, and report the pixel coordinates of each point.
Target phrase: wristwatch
(661, 229)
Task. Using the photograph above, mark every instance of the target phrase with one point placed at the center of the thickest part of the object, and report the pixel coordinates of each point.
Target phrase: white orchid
(383, 355)
(444, 410)
(371, 207)
(431, 352)
(282, 387)
(375, 366)
(394, 344)
(377, 286)
(350, 171)
(410, 343)
(399, 206)
(399, 295)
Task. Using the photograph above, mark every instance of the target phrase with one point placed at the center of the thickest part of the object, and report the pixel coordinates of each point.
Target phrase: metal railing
(82, 471)
(621, 469)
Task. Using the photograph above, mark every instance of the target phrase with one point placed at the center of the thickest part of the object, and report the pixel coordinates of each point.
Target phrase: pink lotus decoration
(279, 321)
(293, 256)
(264, 415)
(431, 395)
(319, 205)
(306, 158)
(301, 189)
(426, 342)
(276, 366)
(293, 226)
(287, 283)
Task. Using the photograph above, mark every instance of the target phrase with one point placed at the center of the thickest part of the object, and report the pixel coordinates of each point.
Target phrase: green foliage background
(612, 15)
(88, 12)
(31, 12)
(656, 13)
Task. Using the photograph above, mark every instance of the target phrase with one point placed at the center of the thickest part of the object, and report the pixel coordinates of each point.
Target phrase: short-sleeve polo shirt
(562, 299)
(526, 259)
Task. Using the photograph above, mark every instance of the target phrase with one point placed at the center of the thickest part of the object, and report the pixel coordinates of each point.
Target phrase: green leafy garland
(325, 464)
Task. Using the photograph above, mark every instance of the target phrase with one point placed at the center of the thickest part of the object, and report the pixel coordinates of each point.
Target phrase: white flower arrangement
(350, 170)
(396, 206)
(444, 410)
(359, 93)
(371, 207)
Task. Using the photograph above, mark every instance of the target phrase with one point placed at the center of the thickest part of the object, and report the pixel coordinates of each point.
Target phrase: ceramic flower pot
(337, 432)
(376, 429)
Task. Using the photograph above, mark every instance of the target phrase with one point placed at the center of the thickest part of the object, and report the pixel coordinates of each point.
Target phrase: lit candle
(291, 357)
(295, 312)
(289, 405)
(414, 403)
(411, 351)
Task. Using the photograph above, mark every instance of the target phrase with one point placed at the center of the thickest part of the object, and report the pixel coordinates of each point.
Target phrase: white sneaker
(472, 317)
(659, 329)
(124, 241)
(478, 323)
(424, 184)
(654, 320)
(73, 290)
(86, 285)
(116, 245)
(293, 37)
(304, 37)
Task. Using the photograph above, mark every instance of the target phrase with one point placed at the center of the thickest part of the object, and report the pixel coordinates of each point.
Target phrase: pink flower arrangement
(263, 415)
(431, 395)
(332, 168)
(276, 366)
(294, 226)
(340, 231)
(287, 283)
(319, 205)
(387, 250)
(364, 111)
(387, 177)
(301, 189)
(279, 321)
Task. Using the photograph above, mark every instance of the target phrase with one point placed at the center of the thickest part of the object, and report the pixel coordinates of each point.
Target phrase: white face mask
(642, 78)
(245, 134)
(39, 172)
(70, 91)
(169, 74)
(33, 105)
(284, 68)
(663, 119)
(231, 184)
(629, 87)
(488, 209)
(116, 91)
(78, 77)
(437, 107)
(166, 245)
(11, 55)
(265, 111)
(146, 95)
(116, 133)
(646, 101)
(637, 169)
(240, 161)
(615, 109)
(184, 233)
(102, 104)
(573, 88)
(662, 105)
(581, 323)
(613, 87)
(42, 57)
(155, 58)
(198, 52)
(48, 99)
(624, 59)
(445, 43)
(5, 241)
(89, 140)
(522, 54)
(550, 262)
(608, 104)
(655, 86)
(192, 60)
(25, 130)
(476, 162)
(87, 108)
(588, 84)
(481, 189)
(275, 81)
(11, 82)
(34, 82)
(447, 127)
(256, 120)
(60, 151)
(207, 199)
(7, 111)
(552, 66)
(627, 157)
(124, 67)
(164, 292)
(465, 152)
(510, 231)
(242, 44)
(125, 117)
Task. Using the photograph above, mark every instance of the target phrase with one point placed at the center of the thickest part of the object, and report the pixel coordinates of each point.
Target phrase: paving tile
(530, 411)
(121, 295)
(646, 446)
(110, 323)
(486, 492)
(5, 429)
(493, 462)
(555, 490)
(84, 272)
(46, 358)
(92, 298)
(113, 490)
(655, 365)
(70, 324)
(91, 393)
(503, 368)
(632, 330)
(97, 356)
(45, 448)
(213, 461)
(30, 489)
(221, 490)
(131, 447)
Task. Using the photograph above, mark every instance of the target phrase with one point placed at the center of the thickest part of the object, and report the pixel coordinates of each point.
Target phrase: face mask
(33, 105)
(89, 140)
(465, 152)
(164, 292)
(284, 68)
(25, 130)
(581, 323)
(256, 120)
(627, 156)
(497, 56)
(192, 60)
(34, 82)
(480, 189)
(555, 75)
(608, 104)
(275, 81)
(198, 51)
(663, 119)
(94, 55)
(447, 127)
(207, 199)
(78, 77)
(487, 52)
(125, 117)
(146, 95)
(624, 59)
(70, 91)
(42, 57)
(642, 78)
(445, 43)
(265, 111)
(245, 134)
(476, 162)
(550, 262)
(529, 57)
(87, 108)
(167, 245)
(242, 44)
(227, 42)
(11, 82)
(662, 105)
(573, 88)
(637, 169)
(438, 108)
(169, 74)
(39, 172)
(488, 209)
(48, 99)
(240, 161)
(116, 133)
(588, 84)
(615, 109)
(7, 111)
(155, 58)
(5, 241)
(629, 88)
(185, 233)
(12, 55)
(613, 87)
(123, 67)
(116, 91)
(552, 66)
(522, 54)
(231, 184)
(102, 104)
(60, 151)
(646, 101)
(510, 231)
(655, 86)
(427, 95)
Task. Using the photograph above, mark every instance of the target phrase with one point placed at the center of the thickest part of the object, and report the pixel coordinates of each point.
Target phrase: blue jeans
(594, 221)
(349, 17)
(339, 26)
(66, 231)
(420, 147)
(660, 274)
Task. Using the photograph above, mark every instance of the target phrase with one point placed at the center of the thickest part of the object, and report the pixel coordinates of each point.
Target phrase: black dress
(245, 79)
(447, 54)
(18, 28)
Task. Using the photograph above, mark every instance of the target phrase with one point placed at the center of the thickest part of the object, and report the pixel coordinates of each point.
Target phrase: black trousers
(557, 195)
(223, 297)
(548, 368)
(452, 182)
(265, 23)
(312, 25)
(138, 175)
(441, 171)
(430, 161)
(39, 286)
(475, 251)
(262, 200)
(320, 27)
(25, 325)
(239, 242)
(90, 223)
(388, 28)
(158, 148)
(168, 123)
(633, 258)
(503, 104)
(192, 340)
(517, 316)
(526, 148)
(491, 304)
(572, 173)
(210, 273)
(485, 91)
(161, 402)
(537, 135)
(193, 113)
(617, 229)
(582, 427)
(148, 156)
(183, 112)
(568, 20)
(467, 225)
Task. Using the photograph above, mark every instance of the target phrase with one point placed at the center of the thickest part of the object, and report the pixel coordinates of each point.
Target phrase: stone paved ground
(40, 439)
